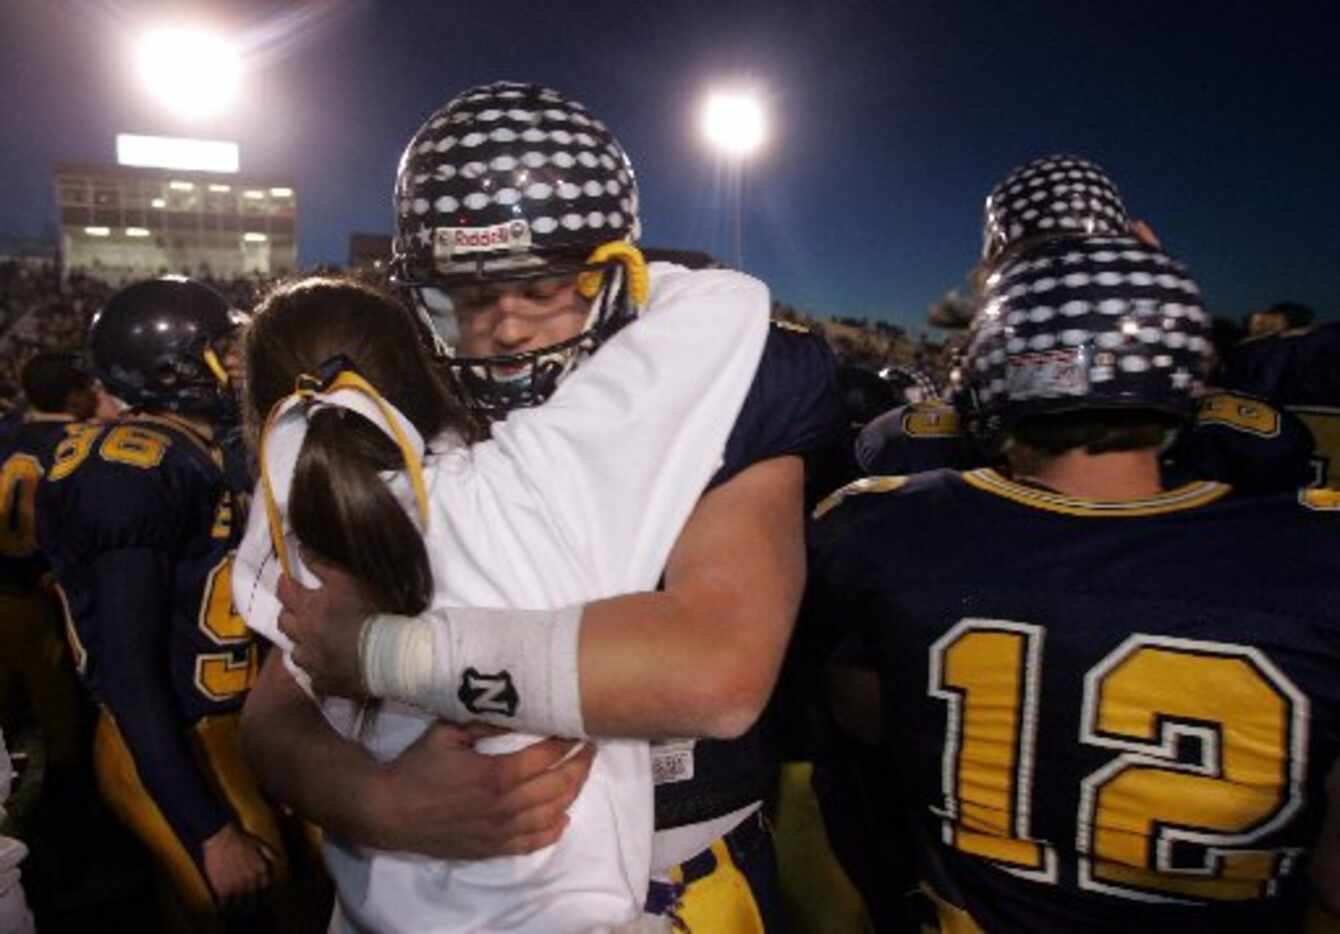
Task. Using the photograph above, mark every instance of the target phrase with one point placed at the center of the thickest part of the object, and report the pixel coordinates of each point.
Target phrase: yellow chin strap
(216, 367)
(635, 268)
(309, 389)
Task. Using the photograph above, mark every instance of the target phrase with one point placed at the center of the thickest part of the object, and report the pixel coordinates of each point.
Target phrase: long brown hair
(339, 506)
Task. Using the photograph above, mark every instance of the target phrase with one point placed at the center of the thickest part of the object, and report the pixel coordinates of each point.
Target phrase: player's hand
(1144, 233)
(443, 799)
(324, 624)
(237, 866)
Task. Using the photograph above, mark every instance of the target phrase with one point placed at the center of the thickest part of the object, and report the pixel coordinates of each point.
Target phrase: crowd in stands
(41, 309)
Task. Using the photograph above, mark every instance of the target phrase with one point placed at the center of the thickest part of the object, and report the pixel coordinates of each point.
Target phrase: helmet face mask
(153, 346)
(495, 385)
(510, 182)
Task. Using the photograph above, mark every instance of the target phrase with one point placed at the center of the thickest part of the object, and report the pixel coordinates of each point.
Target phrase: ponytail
(340, 501)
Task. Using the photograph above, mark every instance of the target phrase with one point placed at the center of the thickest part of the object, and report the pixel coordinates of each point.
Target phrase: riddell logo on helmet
(450, 242)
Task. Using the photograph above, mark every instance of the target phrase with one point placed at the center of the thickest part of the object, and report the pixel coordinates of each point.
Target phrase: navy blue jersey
(26, 448)
(914, 438)
(1108, 717)
(1300, 371)
(136, 518)
(794, 407)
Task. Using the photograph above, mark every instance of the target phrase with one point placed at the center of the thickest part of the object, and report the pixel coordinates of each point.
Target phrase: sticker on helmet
(450, 242)
(1047, 375)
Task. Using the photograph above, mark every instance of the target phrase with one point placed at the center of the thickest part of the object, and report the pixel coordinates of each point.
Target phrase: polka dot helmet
(505, 180)
(514, 181)
(1056, 196)
(1085, 323)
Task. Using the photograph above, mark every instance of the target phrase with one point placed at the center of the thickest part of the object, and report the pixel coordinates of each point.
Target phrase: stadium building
(126, 222)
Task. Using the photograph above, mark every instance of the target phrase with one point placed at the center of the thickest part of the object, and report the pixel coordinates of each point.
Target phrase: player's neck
(1115, 476)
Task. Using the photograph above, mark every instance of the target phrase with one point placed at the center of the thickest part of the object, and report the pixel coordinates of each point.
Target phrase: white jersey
(579, 499)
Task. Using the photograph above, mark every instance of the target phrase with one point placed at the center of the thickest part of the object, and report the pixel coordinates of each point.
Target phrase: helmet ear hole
(165, 374)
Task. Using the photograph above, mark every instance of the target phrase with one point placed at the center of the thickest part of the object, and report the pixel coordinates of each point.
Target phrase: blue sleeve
(794, 405)
(133, 617)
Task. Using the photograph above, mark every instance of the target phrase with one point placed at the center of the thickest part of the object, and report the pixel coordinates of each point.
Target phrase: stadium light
(734, 124)
(191, 72)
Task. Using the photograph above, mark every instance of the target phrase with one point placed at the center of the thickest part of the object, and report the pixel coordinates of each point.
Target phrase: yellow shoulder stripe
(1190, 496)
(855, 488)
(1323, 500)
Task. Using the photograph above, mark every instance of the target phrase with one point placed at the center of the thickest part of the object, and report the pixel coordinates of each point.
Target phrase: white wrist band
(513, 668)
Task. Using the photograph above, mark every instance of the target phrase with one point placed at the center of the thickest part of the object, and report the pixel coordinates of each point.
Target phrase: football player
(1295, 369)
(1112, 701)
(1238, 439)
(507, 200)
(60, 393)
(136, 519)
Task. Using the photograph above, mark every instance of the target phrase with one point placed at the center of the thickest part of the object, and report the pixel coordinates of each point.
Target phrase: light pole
(733, 123)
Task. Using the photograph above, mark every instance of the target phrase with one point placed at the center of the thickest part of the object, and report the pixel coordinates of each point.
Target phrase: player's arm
(698, 658)
(439, 797)
(133, 652)
(701, 657)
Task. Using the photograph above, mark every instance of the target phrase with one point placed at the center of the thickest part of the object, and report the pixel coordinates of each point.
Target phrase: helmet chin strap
(216, 367)
(634, 266)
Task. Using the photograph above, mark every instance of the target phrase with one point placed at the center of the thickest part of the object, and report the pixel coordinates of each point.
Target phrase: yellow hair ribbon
(275, 521)
(216, 367)
(635, 265)
(308, 388)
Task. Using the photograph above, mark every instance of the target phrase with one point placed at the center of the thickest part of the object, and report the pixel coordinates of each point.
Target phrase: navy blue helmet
(1075, 324)
(153, 346)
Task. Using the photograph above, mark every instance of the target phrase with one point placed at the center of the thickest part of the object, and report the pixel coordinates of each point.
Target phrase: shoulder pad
(855, 488)
(1240, 411)
(931, 419)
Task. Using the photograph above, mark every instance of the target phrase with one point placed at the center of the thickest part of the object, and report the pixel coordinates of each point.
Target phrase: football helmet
(513, 181)
(1056, 196)
(911, 384)
(1091, 323)
(865, 394)
(152, 346)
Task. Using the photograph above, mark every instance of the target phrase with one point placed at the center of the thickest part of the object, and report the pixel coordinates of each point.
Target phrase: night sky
(1220, 122)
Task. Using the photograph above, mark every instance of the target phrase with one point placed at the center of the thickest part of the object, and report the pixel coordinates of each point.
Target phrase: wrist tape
(512, 668)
